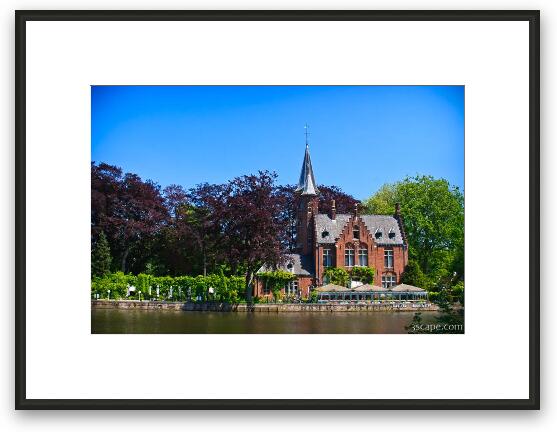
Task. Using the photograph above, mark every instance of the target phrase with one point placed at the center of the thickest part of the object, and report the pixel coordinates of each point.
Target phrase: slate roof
(302, 265)
(374, 223)
(306, 183)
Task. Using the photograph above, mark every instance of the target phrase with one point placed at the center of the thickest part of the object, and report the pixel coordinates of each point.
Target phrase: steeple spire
(306, 184)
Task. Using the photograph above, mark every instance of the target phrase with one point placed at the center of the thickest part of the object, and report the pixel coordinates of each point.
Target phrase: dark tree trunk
(204, 263)
(124, 259)
(249, 281)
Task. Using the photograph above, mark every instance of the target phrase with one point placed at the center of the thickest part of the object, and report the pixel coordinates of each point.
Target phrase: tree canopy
(231, 228)
(433, 215)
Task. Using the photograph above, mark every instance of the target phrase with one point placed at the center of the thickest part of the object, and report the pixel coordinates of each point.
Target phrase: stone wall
(225, 307)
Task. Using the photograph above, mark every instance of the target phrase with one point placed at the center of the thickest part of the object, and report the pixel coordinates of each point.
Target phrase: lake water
(169, 321)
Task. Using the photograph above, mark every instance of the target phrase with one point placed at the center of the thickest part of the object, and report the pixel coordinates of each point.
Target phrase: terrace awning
(332, 288)
(407, 288)
(370, 288)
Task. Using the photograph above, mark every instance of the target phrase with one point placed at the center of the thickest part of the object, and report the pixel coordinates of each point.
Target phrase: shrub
(227, 289)
(337, 276)
(363, 274)
(458, 292)
(314, 295)
(413, 275)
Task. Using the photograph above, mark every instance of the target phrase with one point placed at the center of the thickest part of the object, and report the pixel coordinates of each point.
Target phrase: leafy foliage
(100, 256)
(413, 275)
(226, 289)
(344, 203)
(275, 280)
(129, 211)
(363, 274)
(232, 228)
(433, 214)
(450, 320)
(337, 276)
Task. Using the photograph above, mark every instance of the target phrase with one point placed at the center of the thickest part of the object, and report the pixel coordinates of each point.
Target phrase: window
(349, 256)
(391, 234)
(362, 257)
(327, 258)
(356, 232)
(291, 288)
(266, 289)
(389, 258)
(378, 234)
(325, 234)
(388, 280)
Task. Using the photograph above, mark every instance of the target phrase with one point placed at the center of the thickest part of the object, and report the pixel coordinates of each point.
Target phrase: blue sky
(360, 136)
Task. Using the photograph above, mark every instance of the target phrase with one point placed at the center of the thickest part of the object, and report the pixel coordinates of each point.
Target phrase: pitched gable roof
(328, 230)
(300, 265)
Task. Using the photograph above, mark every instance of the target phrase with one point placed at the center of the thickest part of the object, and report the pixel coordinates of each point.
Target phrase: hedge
(229, 289)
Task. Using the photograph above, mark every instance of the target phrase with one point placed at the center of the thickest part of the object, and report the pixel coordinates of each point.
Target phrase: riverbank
(260, 307)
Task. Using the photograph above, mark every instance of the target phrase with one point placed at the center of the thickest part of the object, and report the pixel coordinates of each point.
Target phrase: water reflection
(165, 321)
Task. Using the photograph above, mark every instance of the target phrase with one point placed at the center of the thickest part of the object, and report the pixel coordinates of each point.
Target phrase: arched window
(362, 255)
(349, 256)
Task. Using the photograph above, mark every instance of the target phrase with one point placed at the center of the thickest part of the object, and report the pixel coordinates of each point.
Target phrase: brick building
(340, 240)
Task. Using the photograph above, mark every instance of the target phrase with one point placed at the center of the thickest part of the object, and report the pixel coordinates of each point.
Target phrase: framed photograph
(277, 209)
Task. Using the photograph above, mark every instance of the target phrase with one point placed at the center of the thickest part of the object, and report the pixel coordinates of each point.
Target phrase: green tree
(433, 214)
(449, 320)
(413, 275)
(100, 256)
(458, 292)
(337, 276)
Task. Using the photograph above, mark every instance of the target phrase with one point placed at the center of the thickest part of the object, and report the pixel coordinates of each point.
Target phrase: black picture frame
(531, 16)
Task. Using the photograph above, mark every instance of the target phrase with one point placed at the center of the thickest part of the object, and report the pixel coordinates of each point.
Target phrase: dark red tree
(253, 231)
(344, 203)
(130, 211)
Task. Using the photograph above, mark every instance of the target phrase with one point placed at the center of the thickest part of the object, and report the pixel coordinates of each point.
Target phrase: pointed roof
(306, 184)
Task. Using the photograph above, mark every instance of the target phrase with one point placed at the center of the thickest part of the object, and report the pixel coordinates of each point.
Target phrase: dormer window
(378, 234)
(356, 232)
(391, 234)
(325, 234)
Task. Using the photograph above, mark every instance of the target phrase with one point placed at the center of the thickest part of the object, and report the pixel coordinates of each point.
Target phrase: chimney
(397, 209)
(333, 210)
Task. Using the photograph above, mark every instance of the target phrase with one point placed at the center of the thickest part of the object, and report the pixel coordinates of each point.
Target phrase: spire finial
(306, 184)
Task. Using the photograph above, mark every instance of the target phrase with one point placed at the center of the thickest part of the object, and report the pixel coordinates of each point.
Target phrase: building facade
(339, 240)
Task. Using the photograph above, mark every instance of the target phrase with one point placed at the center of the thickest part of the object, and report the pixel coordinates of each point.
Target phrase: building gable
(384, 230)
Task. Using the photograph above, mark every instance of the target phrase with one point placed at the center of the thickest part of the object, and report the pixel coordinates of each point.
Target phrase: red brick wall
(375, 253)
(307, 207)
(304, 283)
